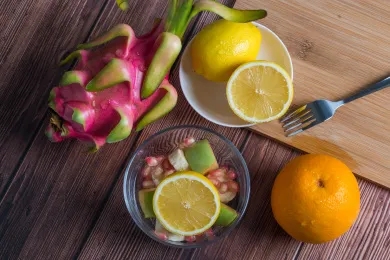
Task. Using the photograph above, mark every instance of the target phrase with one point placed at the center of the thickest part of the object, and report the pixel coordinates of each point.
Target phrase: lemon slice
(259, 91)
(186, 203)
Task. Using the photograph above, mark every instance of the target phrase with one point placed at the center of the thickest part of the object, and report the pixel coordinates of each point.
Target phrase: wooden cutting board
(337, 47)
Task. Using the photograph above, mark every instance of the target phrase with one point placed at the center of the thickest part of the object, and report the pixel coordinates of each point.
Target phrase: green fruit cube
(200, 157)
(145, 197)
(226, 216)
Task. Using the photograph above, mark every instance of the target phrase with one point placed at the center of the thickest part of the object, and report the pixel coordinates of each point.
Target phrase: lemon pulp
(259, 91)
(186, 203)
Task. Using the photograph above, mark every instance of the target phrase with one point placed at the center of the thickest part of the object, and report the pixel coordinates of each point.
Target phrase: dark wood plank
(369, 237)
(55, 197)
(258, 236)
(34, 36)
(59, 189)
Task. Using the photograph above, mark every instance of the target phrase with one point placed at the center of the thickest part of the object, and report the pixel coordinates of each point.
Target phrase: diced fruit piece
(216, 183)
(167, 166)
(226, 216)
(186, 203)
(146, 184)
(161, 236)
(200, 157)
(222, 178)
(232, 186)
(145, 197)
(231, 175)
(218, 174)
(157, 174)
(162, 232)
(227, 196)
(178, 160)
(209, 233)
(146, 172)
(190, 238)
(223, 188)
(151, 161)
(169, 172)
(175, 238)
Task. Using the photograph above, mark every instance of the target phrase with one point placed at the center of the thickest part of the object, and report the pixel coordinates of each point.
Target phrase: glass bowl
(164, 142)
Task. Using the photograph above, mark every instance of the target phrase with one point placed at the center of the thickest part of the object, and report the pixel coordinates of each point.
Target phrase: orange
(315, 198)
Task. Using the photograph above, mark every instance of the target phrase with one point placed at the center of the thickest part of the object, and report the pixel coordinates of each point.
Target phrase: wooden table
(58, 202)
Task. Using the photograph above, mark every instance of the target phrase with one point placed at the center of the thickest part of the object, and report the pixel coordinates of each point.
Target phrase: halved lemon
(186, 203)
(259, 91)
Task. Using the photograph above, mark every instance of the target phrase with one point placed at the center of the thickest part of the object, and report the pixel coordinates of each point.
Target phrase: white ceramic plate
(209, 98)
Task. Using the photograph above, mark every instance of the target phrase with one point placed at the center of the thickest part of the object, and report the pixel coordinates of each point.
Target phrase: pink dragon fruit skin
(100, 100)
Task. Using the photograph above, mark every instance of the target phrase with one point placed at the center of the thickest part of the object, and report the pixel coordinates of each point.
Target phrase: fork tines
(298, 120)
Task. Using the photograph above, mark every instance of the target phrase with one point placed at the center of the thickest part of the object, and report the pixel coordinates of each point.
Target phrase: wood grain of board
(337, 48)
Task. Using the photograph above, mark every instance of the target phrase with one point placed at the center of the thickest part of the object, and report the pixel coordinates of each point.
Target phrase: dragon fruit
(99, 101)
(121, 80)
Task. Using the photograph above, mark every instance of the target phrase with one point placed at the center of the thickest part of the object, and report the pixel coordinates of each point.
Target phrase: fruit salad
(191, 158)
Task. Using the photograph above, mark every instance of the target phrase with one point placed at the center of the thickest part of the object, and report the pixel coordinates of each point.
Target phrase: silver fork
(321, 110)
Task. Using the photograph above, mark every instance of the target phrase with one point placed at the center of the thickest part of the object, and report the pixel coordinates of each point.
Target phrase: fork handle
(371, 89)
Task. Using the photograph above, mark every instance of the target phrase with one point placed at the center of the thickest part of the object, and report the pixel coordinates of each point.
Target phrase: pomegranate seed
(161, 236)
(169, 172)
(157, 171)
(160, 158)
(209, 233)
(149, 177)
(190, 238)
(217, 173)
(147, 184)
(223, 188)
(151, 161)
(146, 171)
(167, 165)
(188, 141)
(156, 181)
(224, 169)
(231, 175)
(233, 186)
(216, 183)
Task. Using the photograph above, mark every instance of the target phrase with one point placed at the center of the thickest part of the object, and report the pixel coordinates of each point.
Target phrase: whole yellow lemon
(220, 47)
(315, 198)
